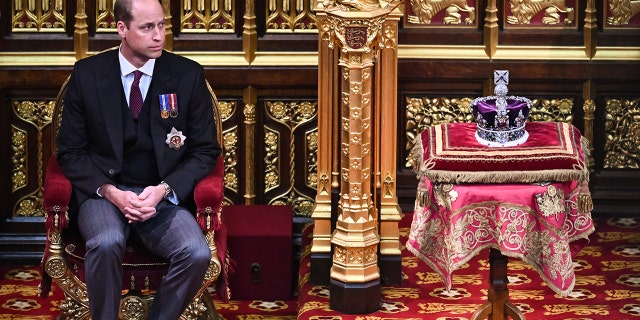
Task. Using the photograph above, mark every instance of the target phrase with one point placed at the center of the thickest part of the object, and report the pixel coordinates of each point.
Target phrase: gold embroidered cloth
(540, 222)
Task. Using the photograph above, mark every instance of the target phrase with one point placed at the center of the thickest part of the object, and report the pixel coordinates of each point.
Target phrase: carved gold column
(589, 108)
(249, 33)
(590, 29)
(361, 31)
(491, 28)
(250, 98)
(321, 243)
(390, 260)
(168, 35)
(80, 33)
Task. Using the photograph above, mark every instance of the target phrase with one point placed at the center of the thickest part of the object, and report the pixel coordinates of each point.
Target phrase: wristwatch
(167, 189)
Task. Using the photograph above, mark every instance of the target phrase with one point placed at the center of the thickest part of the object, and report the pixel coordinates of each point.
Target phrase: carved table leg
(498, 307)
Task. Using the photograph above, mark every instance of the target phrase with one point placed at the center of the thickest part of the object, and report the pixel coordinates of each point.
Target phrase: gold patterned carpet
(607, 287)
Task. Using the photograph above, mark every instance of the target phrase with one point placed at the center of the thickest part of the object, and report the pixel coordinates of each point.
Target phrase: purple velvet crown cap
(500, 119)
(487, 109)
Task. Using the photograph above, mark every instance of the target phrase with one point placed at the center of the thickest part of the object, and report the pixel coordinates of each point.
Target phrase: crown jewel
(500, 119)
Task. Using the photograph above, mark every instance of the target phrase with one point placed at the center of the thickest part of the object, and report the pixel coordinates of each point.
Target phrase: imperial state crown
(500, 119)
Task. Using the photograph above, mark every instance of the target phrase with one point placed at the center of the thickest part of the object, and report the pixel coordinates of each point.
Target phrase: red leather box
(260, 243)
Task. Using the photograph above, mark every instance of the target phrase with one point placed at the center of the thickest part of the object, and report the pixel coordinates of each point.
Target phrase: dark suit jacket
(90, 139)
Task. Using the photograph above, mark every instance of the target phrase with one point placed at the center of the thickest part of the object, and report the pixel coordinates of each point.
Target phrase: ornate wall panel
(231, 146)
(290, 144)
(207, 16)
(30, 145)
(38, 15)
(105, 22)
(291, 16)
(622, 133)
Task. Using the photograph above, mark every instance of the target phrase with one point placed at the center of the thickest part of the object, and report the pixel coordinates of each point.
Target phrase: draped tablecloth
(540, 221)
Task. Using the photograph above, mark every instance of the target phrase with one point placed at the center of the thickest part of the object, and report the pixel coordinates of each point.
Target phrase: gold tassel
(423, 199)
(585, 203)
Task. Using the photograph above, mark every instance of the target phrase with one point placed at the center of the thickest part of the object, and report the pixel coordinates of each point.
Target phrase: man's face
(144, 38)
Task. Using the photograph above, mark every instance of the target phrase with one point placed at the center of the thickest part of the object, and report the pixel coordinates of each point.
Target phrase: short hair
(122, 11)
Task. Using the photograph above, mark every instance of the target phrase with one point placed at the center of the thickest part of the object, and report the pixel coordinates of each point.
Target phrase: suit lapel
(110, 101)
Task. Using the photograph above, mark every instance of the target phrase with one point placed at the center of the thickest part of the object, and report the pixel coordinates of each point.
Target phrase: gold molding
(34, 59)
(540, 53)
(426, 52)
(260, 58)
(442, 52)
(536, 53)
(617, 53)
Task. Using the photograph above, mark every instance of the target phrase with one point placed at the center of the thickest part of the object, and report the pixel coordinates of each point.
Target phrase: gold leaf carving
(284, 17)
(38, 16)
(622, 134)
(524, 10)
(293, 115)
(18, 159)
(230, 141)
(622, 11)
(424, 11)
(105, 20)
(312, 158)
(207, 16)
(552, 110)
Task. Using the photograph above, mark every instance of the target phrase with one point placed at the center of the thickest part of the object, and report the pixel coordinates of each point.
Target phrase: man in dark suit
(133, 170)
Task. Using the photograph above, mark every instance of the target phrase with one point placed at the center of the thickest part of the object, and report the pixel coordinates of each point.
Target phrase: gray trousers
(172, 234)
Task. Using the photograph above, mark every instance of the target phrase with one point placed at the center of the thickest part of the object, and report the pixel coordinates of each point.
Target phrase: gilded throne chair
(63, 258)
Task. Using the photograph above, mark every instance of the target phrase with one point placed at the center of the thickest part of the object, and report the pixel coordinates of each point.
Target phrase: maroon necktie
(135, 97)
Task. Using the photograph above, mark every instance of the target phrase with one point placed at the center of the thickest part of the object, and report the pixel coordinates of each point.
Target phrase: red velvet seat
(63, 259)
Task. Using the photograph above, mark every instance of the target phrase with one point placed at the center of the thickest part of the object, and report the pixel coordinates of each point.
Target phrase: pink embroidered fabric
(537, 222)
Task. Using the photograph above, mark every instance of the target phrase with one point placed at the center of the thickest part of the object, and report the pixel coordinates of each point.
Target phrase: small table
(523, 202)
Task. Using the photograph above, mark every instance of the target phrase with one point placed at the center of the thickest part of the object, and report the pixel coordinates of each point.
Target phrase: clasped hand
(136, 207)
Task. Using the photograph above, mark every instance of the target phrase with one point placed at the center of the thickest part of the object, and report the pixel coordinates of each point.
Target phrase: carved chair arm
(55, 196)
(209, 196)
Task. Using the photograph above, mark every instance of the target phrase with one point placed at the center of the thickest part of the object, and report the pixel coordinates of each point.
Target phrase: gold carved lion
(622, 11)
(524, 10)
(360, 5)
(425, 10)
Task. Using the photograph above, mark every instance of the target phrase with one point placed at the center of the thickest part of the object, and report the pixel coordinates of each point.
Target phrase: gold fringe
(458, 177)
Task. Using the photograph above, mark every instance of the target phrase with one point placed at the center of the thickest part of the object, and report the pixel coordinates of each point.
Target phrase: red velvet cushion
(56, 195)
(450, 153)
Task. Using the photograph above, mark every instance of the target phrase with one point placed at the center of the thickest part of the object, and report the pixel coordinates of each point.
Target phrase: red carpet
(607, 287)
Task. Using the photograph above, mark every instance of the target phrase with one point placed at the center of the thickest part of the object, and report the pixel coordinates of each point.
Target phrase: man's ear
(122, 28)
